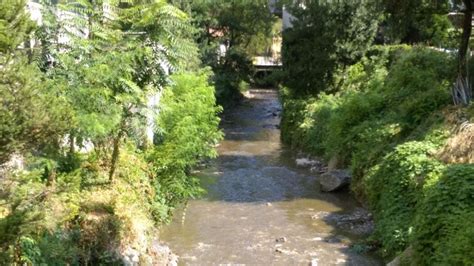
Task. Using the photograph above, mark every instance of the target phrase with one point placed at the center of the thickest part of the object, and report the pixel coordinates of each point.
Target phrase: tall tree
(327, 36)
(416, 21)
(32, 111)
(125, 57)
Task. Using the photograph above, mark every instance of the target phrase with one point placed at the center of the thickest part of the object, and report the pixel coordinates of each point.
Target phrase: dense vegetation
(97, 138)
(387, 114)
(107, 106)
(229, 33)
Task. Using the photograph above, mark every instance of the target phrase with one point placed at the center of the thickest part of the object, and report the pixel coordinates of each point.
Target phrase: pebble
(281, 240)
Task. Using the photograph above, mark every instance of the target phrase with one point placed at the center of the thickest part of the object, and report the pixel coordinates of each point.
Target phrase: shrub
(444, 223)
(189, 132)
(353, 109)
(319, 113)
(229, 76)
(387, 121)
(394, 188)
(418, 84)
(292, 117)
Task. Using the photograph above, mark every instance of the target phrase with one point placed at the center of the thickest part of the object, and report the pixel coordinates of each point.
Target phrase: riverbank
(393, 126)
(67, 210)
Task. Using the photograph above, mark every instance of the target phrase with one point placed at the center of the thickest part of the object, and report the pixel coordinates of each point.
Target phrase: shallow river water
(260, 208)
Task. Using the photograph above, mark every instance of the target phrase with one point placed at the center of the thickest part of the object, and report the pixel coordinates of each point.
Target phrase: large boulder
(334, 180)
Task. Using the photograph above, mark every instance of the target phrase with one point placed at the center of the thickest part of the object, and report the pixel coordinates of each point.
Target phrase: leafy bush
(393, 189)
(189, 133)
(418, 83)
(444, 233)
(386, 122)
(229, 76)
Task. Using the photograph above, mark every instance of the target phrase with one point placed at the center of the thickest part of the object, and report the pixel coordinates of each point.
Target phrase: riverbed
(261, 208)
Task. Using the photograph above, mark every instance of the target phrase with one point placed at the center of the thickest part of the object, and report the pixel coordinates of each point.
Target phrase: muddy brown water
(260, 208)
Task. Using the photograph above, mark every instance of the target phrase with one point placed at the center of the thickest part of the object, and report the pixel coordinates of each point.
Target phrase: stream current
(260, 207)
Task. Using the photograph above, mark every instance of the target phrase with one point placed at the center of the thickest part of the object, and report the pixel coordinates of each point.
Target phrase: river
(260, 207)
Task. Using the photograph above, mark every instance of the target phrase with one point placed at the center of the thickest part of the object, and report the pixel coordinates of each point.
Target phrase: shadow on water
(260, 208)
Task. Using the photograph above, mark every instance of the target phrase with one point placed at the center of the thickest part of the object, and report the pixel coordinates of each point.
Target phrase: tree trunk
(462, 92)
(51, 176)
(115, 155)
(72, 144)
(466, 35)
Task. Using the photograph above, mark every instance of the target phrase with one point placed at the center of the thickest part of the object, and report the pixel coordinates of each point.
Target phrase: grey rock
(334, 180)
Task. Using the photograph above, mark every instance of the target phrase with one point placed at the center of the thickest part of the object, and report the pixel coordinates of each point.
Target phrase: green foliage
(394, 188)
(444, 232)
(243, 27)
(382, 99)
(386, 123)
(64, 208)
(32, 115)
(326, 37)
(15, 26)
(304, 123)
(33, 209)
(418, 21)
(189, 133)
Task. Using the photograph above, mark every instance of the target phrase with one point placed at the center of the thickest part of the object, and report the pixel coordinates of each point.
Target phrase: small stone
(304, 162)
(314, 262)
(279, 250)
(281, 240)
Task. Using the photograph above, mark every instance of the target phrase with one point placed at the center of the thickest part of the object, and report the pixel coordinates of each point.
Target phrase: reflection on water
(259, 208)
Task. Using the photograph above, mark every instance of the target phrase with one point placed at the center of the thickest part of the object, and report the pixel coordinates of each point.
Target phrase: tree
(462, 91)
(327, 36)
(417, 21)
(238, 25)
(113, 66)
(33, 113)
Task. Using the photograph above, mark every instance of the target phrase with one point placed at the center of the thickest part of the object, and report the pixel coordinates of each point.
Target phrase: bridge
(265, 65)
